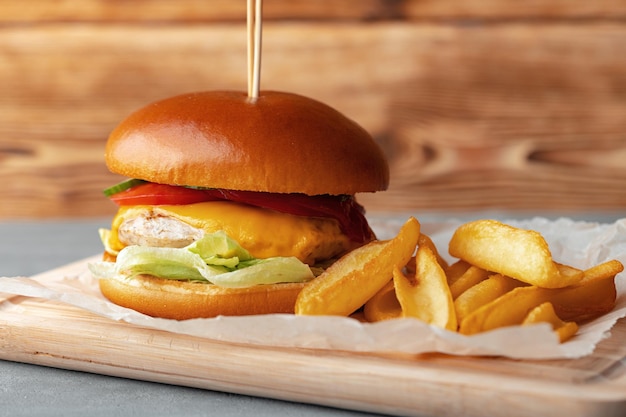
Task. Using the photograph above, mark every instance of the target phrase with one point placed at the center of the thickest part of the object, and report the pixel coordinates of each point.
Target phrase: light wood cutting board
(52, 334)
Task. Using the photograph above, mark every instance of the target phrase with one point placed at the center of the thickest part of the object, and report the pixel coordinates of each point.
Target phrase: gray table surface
(28, 248)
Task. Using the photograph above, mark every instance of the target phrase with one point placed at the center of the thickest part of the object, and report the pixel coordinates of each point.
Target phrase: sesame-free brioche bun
(279, 143)
(182, 300)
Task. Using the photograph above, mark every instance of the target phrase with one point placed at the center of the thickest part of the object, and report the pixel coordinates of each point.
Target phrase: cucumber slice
(124, 185)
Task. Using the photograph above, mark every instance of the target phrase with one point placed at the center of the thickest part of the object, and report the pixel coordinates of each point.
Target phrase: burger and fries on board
(244, 204)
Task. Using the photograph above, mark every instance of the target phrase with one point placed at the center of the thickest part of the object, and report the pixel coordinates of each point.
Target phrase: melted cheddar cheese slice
(264, 233)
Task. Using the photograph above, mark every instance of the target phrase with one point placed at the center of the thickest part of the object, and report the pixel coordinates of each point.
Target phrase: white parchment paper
(579, 244)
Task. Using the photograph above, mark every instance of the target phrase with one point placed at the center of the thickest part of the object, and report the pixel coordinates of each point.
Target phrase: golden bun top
(281, 143)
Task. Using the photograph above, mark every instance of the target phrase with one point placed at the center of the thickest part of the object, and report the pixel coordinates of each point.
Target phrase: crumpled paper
(579, 244)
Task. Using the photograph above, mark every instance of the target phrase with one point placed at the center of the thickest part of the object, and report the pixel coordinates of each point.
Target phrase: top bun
(280, 143)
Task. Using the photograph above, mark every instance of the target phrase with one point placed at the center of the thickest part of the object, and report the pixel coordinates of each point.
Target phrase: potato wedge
(483, 293)
(425, 240)
(577, 303)
(584, 302)
(602, 271)
(384, 305)
(471, 277)
(518, 253)
(351, 281)
(544, 313)
(426, 295)
(455, 270)
(509, 309)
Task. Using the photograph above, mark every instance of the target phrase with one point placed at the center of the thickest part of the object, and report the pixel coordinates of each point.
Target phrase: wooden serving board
(52, 334)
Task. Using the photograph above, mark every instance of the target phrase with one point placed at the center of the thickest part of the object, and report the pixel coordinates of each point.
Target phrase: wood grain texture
(478, 104)
(53, 334)
(323, 10)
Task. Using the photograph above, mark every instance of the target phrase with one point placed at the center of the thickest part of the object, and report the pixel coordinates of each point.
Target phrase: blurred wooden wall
(477, 103)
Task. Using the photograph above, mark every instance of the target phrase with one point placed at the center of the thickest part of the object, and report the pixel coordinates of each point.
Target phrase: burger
(229, 205)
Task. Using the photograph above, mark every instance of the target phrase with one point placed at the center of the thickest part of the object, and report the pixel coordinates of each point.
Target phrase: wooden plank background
(478, 104)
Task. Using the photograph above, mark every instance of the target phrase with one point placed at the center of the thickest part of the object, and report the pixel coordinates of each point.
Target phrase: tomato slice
(344, 209)
(150, 193)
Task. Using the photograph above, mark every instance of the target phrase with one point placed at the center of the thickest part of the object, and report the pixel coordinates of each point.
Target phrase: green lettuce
(215, 258)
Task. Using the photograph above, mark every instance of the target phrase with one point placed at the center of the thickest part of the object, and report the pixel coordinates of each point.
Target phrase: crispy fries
(577, 303)
(483, 293)
(472, 276)
(503, 276)
(384, 305)
(518, 253)
(544, 313)
(425, 295)
(426, 241)
(456, 270)
(354, 279)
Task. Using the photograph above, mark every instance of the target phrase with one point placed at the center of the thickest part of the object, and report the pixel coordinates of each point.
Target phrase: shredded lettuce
(215, 258)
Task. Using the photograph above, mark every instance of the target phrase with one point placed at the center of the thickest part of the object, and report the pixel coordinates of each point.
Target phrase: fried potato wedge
(584, 302)
(509, 309)
(354, 279)
(426, 295)
(602, 271)
(544, 313)
(426, 241)
(472, 276)
(577, 303)
(384, 305)
(483, 293)
(518, 253)
(455, 270)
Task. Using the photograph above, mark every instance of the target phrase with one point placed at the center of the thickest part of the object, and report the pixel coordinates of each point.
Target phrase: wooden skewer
(255, 9)
(250, 43)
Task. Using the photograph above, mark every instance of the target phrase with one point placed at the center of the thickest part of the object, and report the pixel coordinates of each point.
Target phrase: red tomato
(150, 193)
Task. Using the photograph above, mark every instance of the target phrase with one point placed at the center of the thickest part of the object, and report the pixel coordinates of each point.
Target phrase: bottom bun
(181, 300)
